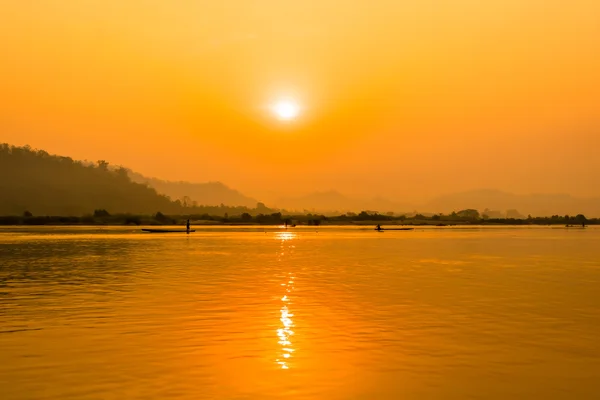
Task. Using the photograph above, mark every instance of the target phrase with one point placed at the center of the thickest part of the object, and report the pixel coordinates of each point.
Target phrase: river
(302, 313)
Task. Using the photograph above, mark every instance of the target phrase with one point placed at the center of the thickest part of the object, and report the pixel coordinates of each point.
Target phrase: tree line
(104, 217)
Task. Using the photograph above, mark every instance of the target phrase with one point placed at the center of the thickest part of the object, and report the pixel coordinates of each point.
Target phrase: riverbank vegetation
(103, 217)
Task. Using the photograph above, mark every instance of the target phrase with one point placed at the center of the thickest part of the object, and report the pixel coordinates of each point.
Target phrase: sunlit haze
(309, 199)
(286, 110)
(404, 100)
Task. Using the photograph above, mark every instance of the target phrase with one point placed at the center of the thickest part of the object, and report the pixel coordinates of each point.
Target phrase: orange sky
(400, 99)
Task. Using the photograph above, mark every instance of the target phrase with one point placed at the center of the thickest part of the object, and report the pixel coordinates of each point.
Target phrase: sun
(286, 110)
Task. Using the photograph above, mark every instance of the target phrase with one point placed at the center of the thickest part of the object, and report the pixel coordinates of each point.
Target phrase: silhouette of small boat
(167, 230)
(394, 229)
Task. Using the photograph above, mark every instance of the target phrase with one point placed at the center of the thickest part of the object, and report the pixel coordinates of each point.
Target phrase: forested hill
(44, 184)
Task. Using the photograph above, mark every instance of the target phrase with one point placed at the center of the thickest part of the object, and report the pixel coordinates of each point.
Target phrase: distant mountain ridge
(534, 204)
(208, 194)
(496, 202)
(44, 184)
(332, 201)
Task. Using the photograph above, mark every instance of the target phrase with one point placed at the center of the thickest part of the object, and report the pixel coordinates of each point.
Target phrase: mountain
(209, 194)
(44, 184)
(534, 204)
(496, 202)
(332, 202)
(317, 202)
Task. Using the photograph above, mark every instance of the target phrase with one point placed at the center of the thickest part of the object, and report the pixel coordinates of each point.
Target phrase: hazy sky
(403, 99)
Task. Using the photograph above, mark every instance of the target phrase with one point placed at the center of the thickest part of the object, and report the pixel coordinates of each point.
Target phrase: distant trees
(159, 216)
(469, 214)
(261, 208)
(580, 219)
(186, 201)
(315, 222)
(246, 217)
(102, 216)
(102, 165)
(101, 213)
(372, 216)
(122, 173)
(274, 218)
(133, 220)
(363, 215)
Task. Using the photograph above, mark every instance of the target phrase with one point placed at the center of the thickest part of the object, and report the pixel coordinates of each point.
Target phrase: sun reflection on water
(285, 331)
(283, 236)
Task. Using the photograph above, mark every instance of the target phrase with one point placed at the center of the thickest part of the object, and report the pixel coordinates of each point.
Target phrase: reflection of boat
(167, 230)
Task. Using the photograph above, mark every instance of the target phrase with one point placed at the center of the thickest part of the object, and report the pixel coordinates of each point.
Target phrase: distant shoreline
(281, 220)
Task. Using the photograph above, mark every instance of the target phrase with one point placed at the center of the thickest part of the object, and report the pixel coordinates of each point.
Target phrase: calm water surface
(342, 313)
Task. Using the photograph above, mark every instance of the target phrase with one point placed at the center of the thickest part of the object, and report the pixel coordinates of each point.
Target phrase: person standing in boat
(378, 227)
(187, 226)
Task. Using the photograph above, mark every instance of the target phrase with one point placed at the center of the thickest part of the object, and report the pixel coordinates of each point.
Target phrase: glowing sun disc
(286, 110)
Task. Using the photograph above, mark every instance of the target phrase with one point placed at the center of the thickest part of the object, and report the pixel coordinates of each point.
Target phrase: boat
(380, 229)
(186, 230)
(167, 230)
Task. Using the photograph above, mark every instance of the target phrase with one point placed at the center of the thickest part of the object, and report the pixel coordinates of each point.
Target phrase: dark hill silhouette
(36, 182)
(210, 193)
(44, 184)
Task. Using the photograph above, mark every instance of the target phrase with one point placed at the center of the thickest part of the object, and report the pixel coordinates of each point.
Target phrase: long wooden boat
(167, 230)
(394, 229)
